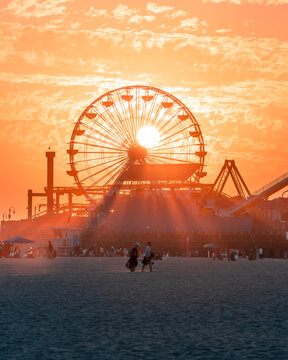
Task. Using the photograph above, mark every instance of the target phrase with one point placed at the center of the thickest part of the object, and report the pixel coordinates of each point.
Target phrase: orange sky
(226, 60)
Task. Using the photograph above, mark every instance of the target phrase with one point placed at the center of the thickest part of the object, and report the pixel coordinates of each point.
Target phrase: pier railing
(269, 185)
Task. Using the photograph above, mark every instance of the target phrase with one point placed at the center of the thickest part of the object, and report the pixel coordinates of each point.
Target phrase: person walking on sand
(133, 262)
(260, 252)
(147, 257)
(51, 252)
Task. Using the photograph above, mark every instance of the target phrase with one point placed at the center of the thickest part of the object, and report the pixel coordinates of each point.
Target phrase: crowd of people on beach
(9, 251)
(235, 254)
(107, 250)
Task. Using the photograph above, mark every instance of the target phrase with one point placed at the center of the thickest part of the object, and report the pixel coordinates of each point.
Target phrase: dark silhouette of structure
(230, 169)
(155, 190)
(50, 181)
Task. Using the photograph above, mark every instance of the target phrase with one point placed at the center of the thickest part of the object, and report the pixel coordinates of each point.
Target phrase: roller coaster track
(261, 194)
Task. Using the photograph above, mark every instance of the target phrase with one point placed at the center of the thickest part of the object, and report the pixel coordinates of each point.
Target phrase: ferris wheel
(132, 125)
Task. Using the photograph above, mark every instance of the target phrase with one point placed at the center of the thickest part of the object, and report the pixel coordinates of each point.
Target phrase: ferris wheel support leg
(98, 218)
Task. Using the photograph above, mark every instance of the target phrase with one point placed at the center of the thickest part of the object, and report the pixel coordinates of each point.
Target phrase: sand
(92, 308)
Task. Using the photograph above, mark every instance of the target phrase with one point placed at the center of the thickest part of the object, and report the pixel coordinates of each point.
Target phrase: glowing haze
(226, 60)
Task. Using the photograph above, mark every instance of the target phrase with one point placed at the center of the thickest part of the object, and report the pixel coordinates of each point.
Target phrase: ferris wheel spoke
(98, 152)
(168, 121)
(99, 140)
(157, 112)
(126, 118)
(117, 171)
(111, 125)
(138, 108)
(131, 119)
(103, 145)
(166, 112)
(154, 101)
(120, 169)
(131, 116)
(110, 140)
(168, 158)
(127, 124)
(97, 165)
(96, 159)
(107, 131)
(141, 122)
(156, 123)
(168, 143)
(135, 112)
(175, 147)
(168, 137)
(104, 169)
(99, 146)
(119, 128)
(169, 153)
(173, 127)
(121, 120)
(155, 109)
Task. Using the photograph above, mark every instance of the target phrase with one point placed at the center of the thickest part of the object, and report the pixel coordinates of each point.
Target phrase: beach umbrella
(211, 245)
(18, 240)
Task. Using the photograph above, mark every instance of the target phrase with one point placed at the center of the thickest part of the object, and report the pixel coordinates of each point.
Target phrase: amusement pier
(137, 156)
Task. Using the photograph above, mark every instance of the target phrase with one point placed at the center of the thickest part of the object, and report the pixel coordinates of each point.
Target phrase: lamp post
(35, 209)
(285, 219)
(9, 214)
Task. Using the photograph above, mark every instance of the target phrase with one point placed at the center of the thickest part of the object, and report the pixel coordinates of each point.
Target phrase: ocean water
(189, 308)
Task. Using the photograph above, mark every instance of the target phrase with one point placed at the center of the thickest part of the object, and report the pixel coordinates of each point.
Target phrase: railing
(274, 182)
(75, 207)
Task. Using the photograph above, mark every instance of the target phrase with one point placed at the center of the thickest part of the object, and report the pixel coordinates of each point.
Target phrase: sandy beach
(189, 308)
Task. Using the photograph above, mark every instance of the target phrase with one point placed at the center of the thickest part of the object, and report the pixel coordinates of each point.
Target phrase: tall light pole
(50, 180)
(35, 209)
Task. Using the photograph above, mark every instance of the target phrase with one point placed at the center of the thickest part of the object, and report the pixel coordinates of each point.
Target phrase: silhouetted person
(51, 251)
(77, 250)
(252, 254)
(147, 257)
(260, 252)
(133, 262)
(17, 252)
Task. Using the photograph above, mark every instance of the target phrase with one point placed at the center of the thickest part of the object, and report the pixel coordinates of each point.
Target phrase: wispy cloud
(37, 8)
(122, 12)
(167, 11)
(159, 9)
(193, 24)
(94, 12)
(211, 52)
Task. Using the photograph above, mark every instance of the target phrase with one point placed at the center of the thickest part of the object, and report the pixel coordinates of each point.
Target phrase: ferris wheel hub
(137, 152)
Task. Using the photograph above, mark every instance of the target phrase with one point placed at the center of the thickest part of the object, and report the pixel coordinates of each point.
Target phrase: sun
(148, 136)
